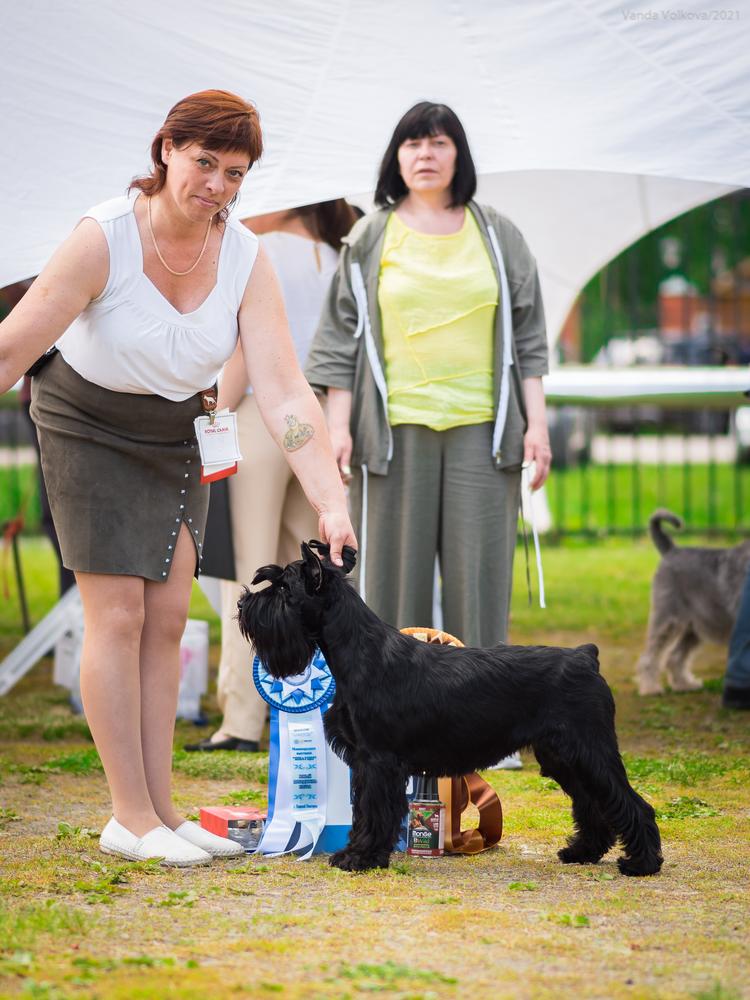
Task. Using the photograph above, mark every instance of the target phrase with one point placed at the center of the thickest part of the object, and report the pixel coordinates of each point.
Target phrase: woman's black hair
(424, 119)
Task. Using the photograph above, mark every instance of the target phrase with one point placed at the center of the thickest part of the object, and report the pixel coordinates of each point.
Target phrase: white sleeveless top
(132, 339)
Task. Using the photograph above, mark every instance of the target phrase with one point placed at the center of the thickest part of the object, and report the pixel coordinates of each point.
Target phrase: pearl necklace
(177, 274)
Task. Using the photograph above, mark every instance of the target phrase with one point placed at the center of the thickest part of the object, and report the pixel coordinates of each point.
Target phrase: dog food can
(426, 837)
(246, 832)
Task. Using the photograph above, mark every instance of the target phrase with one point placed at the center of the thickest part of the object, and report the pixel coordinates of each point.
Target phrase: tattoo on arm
(297, 434)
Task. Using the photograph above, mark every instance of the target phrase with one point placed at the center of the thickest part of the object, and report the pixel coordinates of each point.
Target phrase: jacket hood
(366, 231)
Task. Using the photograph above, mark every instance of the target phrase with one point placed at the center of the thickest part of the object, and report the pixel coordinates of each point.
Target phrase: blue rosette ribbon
(309, 801)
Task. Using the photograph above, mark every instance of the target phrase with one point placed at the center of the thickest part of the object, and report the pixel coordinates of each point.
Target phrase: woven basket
(456, 793)
(432, 635)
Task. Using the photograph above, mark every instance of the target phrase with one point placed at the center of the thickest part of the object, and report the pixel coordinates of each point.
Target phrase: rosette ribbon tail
(296, 790)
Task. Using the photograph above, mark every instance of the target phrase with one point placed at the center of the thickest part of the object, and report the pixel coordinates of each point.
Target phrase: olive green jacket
(347, 352)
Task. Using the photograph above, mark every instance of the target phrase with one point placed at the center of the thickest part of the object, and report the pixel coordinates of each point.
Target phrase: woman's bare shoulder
(86, 247)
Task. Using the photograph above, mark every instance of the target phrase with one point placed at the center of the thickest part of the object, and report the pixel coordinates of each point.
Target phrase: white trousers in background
(271, 516)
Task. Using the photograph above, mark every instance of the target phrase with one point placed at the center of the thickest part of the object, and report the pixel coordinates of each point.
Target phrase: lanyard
(209, 398)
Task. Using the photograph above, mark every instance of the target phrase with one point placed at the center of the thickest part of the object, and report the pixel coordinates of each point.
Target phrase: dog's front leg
(378, 809)
(339, 730)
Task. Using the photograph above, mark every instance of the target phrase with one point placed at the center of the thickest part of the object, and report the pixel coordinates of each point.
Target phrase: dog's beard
(265, 621)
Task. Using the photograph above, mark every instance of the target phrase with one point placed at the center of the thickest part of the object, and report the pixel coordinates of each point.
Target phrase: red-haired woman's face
(202, 181)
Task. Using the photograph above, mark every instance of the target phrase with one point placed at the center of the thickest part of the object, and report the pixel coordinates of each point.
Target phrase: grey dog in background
(695, 596)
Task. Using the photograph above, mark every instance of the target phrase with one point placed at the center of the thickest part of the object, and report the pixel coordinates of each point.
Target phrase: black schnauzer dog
(405, 707)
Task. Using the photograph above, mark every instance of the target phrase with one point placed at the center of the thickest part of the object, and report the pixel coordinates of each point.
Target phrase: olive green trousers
(442, 497)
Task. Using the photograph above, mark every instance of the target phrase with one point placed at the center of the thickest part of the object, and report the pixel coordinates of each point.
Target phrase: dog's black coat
(403, 706)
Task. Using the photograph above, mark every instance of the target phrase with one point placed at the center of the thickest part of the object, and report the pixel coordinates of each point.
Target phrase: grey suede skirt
(122, 473)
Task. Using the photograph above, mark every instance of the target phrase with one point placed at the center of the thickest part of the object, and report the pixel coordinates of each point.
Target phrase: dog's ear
(348, 555)
(322, 548)
(312, 569)
(272, 574)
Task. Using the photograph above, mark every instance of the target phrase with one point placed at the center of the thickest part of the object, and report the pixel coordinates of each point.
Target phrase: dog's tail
(660, 538)
(591, 652)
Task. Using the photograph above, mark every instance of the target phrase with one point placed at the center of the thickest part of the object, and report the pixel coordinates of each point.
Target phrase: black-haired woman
(431, 350)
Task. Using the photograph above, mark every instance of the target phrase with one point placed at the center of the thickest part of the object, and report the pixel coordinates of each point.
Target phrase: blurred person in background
(736, 693)
(268, 510)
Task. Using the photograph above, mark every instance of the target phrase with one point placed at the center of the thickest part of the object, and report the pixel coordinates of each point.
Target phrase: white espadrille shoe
(157, 843)
(512, 762)
(217, 847)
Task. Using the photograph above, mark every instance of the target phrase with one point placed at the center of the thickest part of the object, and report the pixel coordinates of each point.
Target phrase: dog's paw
(686, 684)
(579, 854)
(639, 867)
(351, 861)
(339, 859)
(648, 688)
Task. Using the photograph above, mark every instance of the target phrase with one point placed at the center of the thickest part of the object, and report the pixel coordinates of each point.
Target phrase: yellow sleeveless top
(437, 298)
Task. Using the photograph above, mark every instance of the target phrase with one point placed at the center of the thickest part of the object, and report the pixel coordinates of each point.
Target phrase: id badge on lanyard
(218, 441)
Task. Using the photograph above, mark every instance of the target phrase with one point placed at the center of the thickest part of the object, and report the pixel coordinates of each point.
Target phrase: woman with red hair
(146, 300)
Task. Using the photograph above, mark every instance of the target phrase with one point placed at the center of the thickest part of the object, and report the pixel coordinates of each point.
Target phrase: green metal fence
(615, 463)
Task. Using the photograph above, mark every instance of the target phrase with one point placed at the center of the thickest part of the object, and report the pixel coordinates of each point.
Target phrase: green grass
(597, 499)
(686, 807)
(245, 796)
(77, 762)
(19, 492)
(510, 923)
(24, 925)
(688, 769)
(718, 992)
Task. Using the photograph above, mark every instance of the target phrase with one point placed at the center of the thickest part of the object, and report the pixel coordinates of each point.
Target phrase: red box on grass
(220, 819)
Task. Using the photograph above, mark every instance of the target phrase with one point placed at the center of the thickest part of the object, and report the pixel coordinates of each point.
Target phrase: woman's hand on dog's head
(337, 532)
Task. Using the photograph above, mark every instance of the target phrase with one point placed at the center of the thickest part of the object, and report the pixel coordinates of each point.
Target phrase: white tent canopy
(591, 122)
